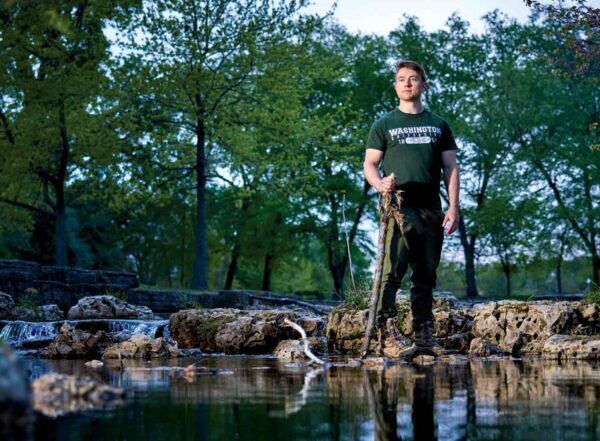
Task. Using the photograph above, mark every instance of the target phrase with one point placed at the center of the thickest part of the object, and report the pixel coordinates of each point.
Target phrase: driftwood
(307, 350)
(389, 207)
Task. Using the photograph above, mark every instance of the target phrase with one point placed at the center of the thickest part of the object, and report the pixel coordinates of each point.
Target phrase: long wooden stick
(376, 292)
(389, 207)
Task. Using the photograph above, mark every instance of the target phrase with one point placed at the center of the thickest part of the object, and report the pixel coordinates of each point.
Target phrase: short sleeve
(447, 141)
(376, 138)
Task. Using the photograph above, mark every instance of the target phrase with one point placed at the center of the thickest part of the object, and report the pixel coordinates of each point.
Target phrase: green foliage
(593, 295)
(28, 301)
(357, 299)
(259, 119)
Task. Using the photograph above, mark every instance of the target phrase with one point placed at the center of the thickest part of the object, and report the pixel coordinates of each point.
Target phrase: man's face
(409, 85)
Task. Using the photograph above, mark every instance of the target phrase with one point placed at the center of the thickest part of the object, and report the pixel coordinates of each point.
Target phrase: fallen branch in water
(307, 350)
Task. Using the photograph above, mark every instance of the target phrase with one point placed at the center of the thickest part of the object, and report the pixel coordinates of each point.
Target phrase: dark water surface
(247, 398)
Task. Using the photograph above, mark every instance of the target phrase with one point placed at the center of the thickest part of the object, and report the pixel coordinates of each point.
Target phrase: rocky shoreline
(553, 330)
(107, 328)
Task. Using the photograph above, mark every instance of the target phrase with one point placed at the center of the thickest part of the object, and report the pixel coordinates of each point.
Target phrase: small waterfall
(37, 334)
(18, 332)
(125, 328)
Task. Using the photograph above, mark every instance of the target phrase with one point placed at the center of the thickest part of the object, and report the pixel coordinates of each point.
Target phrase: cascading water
(15, 333)
(37, 334)
(124, 328)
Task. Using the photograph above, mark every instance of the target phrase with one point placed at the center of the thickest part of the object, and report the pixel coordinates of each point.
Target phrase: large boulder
(233, 331)
(143, 347)
(107, 307)
(55, 395)
(523, 327)
(16, 415)
(75, 343)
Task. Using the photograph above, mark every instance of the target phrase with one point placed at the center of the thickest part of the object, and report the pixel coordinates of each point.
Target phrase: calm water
(264, 399)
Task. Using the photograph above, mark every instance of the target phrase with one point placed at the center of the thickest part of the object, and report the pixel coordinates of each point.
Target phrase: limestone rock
(7, 304)
(564, 347)
(288, 350)
(107, 307)
(75, 343)
(143, 347)
(51, 313)
(55, 395)
(232, 331)
(24, 314)
(346, 330)
(16, 416)
(522, 327)
(483, 348)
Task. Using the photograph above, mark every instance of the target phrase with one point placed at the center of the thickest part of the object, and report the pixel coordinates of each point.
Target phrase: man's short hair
(413, 65)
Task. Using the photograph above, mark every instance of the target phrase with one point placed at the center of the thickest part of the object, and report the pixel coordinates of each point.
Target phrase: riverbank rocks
(75, 343)
(55, 395)
(485, 329)
(44, 313)
(233, 331)
(571, 347)
(289, 350)
(16, 415)
(107, 307)
(523, 327)
(345, 330)
(143, 347)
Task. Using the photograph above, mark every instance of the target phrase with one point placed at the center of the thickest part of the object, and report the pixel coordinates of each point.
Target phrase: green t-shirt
(413, 146)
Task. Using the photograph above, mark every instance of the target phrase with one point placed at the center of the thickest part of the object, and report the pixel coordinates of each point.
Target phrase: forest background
(219, 144)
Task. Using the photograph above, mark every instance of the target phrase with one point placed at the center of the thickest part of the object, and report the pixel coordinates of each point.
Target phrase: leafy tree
(188, 64)
(51, 123)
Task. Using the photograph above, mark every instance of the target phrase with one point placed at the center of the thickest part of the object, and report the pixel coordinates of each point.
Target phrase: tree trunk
(60, 237)
(559, 288)
(231, 270)
(58, 183)
(267, 270)
(506, 271)
(200, 274)
(468, 245)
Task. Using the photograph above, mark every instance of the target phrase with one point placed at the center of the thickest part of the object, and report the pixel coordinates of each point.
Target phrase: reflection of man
(415, 145)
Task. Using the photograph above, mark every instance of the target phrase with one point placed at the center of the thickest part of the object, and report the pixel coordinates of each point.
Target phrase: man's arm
(452, 185)
(371, 171)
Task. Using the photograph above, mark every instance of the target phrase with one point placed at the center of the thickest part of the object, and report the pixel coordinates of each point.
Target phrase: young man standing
(415, 146)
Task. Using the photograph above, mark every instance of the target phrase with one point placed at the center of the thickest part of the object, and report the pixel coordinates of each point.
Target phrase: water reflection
(259, 398)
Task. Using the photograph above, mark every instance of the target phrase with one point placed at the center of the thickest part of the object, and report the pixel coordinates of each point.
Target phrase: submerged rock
(15, 409)
(233, 331)
(143, 347)
(75, 343)
(289, 350)
(107, 307)
(482, 348)
(55, 395)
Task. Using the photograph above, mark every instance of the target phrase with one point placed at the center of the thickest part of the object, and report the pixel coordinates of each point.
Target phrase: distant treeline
(219, 144)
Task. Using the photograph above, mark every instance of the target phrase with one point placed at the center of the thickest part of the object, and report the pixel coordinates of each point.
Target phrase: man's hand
(451, 219)
(387, 184)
